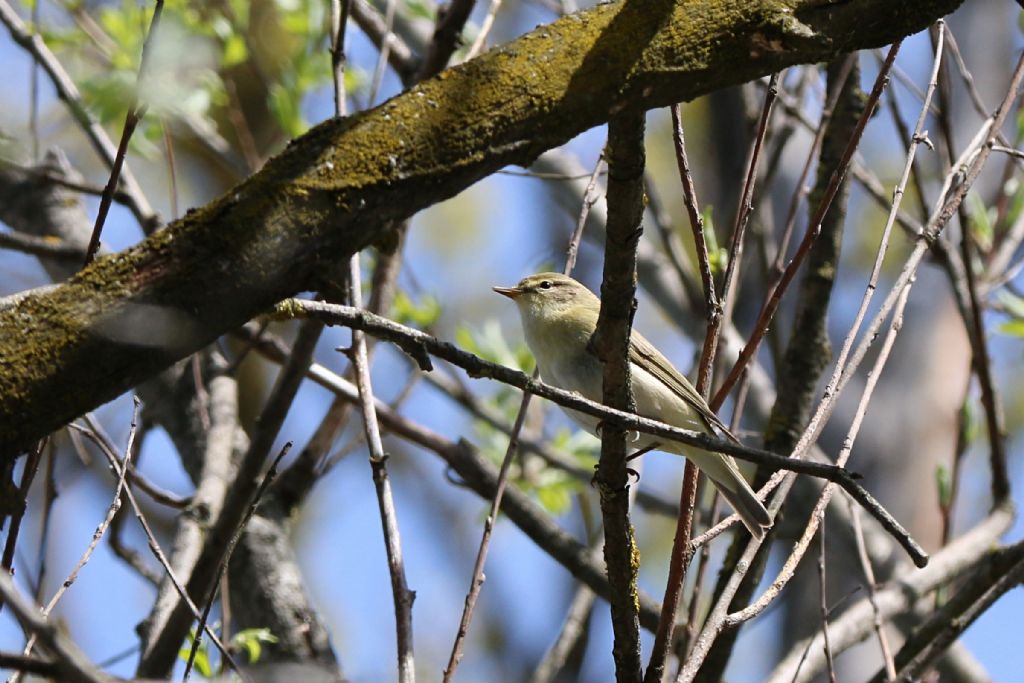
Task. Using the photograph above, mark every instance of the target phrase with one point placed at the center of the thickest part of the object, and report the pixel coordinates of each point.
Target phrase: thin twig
(883, 244)
(400, 55)
(998, 571)
(817, 515)
(158, 494)
(719, 620)
(823, 595)
(451, 19)
(801, 188)
(135, 113)
(573, 628)
(485, 30)
(981, 360)
(872, 586)
(50, 493)
(712, 306)
(679, 561)
(743, 211)
(577, 615)
(897, 596)
(402, 596)
(973, 158)
(671, 243)
(339, 21)
(477, 577)
(682, 553)
(97, 534)
(162, 646)
(33, 92)
(102, 528)
(385, 49)
(172, 175)
(28, 474)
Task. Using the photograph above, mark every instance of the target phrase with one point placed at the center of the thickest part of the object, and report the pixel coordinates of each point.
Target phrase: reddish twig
(813, 228)
(801, 189)
(743, 211)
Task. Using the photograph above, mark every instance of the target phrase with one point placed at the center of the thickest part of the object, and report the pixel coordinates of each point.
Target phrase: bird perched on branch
(559, 317)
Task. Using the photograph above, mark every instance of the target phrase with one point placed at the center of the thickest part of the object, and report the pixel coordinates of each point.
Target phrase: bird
(559, 318)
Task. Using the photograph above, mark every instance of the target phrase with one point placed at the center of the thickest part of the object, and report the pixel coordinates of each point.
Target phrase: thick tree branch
(334, 190)
(625, 154)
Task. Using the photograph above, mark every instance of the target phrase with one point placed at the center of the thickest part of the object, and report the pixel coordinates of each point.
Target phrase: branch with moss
(336, 189)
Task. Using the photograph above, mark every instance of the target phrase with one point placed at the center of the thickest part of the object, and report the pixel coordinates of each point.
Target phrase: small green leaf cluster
(250, 641)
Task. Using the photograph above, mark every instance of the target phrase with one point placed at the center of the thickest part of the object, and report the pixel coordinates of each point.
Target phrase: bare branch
(610, 343)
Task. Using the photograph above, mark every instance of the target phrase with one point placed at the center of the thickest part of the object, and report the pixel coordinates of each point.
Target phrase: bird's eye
(546, 284)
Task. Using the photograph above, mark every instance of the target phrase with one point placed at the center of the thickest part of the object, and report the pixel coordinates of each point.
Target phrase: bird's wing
(642, 350)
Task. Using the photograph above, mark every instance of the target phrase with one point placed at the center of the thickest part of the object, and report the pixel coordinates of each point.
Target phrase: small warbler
(559, 317)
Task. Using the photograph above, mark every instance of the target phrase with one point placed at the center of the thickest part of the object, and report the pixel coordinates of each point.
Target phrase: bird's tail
(722, 471)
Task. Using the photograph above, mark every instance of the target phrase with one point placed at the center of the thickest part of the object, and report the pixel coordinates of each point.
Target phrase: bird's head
(548, 295)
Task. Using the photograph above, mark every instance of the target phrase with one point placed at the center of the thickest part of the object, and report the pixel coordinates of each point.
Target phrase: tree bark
(336, 189)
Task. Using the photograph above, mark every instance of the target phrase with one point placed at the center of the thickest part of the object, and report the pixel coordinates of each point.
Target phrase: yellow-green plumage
(559, 316)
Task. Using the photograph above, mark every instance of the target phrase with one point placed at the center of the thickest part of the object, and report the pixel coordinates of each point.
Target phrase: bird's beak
(510, 292)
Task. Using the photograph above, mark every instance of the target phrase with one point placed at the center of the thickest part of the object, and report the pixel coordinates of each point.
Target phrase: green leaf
(1012, 303)
(251, 641)
(718, 258)
(981, 221)
(235, 50)
(201, 662)
(406, 311)
(489, 343)
(1012, 328)
(970, 426)
(583, 446)
(284, 104)
(944, 485)
(418, 9)
(555, 499)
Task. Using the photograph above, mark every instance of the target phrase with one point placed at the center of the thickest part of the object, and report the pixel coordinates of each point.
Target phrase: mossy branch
(336, 189)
